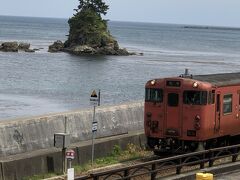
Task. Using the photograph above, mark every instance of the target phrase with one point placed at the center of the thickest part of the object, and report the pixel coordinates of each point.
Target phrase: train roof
(224, 79)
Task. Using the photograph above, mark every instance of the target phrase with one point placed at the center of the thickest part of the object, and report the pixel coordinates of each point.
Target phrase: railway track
(154, 167)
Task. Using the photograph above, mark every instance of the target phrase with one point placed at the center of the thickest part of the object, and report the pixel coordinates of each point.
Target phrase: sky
(198, 12)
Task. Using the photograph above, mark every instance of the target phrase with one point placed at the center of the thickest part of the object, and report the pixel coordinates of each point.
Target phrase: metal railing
(155, 167)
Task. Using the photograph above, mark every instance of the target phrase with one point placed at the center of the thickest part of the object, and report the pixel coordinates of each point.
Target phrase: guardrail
(155, 167)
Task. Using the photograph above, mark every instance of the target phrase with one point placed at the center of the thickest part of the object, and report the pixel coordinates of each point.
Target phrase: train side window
(213, 96)
(218, 102)
(210, 97)
(195, 97)
(154, 95)
(238, 101)
(227, 104)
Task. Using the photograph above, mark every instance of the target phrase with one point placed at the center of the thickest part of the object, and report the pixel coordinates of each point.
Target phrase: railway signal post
(94, 101)
(70, 171)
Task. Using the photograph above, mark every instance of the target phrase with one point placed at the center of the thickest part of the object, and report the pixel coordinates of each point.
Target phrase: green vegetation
(95, 5)
(132, 152)
(87, 26)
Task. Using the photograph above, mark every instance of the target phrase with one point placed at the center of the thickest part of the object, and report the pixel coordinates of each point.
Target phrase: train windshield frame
(192, 97)
(154, 95)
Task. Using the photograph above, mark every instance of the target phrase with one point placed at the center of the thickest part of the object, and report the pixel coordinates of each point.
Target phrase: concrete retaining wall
(50, 160)
(35, 133)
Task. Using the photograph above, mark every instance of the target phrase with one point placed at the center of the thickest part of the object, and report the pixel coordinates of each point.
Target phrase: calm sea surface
(41, 82)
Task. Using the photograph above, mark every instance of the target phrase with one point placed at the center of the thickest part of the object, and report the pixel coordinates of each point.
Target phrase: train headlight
(195, 84)
(153, 82)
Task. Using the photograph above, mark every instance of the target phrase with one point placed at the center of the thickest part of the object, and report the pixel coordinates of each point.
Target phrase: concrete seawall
(50, 160)
(25, 135)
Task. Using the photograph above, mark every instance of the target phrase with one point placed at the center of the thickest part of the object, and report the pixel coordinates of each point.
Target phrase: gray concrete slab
(220, 171)
(235, 175)
(34, 133)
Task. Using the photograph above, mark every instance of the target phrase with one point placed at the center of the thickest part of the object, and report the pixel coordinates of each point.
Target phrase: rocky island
(89, 34)
(15, 47)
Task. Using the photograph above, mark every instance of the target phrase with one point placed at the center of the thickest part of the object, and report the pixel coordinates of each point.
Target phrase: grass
(117, 155)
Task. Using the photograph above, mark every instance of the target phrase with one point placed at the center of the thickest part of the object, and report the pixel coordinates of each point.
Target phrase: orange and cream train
(190, 113)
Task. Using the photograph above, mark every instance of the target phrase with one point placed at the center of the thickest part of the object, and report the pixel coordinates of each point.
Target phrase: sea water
(41, 82)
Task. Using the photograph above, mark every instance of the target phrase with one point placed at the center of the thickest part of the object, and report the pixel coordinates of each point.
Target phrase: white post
(64, 163)
(93, 134)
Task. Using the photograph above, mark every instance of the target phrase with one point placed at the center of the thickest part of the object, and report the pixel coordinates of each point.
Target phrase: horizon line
(149, 22)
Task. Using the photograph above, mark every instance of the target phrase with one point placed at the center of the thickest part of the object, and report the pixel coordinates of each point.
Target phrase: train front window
(154, 95)
(195, 97)
(211, 97)
(172, 99)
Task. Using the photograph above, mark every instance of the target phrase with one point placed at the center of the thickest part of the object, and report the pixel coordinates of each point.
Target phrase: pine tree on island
(88, 33)
(96, 5)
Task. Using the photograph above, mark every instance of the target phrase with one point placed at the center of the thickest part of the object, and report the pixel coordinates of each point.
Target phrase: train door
(218, 113)
(173, 118)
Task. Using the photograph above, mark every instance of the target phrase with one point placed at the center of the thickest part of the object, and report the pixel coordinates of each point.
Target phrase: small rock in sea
(9, 47)
(29, 50)
(23, 46)
(56, 46)
(36, 49)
